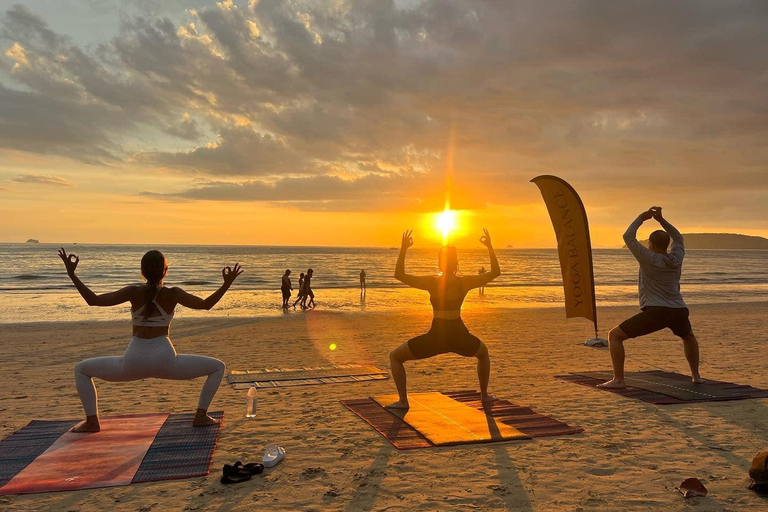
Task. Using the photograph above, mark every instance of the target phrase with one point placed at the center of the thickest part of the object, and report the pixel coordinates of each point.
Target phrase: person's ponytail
(153, 267)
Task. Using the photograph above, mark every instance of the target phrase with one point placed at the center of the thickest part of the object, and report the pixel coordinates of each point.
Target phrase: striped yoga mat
(44, 456)
(307, 376)
(665, 388)
(405, 437)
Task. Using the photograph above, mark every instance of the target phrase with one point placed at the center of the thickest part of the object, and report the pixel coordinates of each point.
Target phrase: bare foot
(204, 421)
(486, 399)
(613, 384)
(399, 405)
(698, 380)
(87, 426)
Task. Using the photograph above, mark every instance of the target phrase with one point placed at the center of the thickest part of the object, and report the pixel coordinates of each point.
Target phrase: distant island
(722, 241)
(33, 241)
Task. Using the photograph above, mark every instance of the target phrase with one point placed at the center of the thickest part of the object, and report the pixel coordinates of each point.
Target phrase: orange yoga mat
(443, 420)
(84, 461)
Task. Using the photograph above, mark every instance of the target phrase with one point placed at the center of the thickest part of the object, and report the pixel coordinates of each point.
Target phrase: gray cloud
(186, 128)
(39, 179)
(238, 151)
(40, 123)
(371, 192)
(335, 100)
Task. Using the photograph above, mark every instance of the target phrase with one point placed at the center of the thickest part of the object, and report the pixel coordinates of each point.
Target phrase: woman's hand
(407, 240)
(230, 274)
(70, 261)
(486, 238)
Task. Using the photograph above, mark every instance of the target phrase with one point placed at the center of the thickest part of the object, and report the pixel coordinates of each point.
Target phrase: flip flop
(235, 479)
(235, 474)
(273, 454)
(254, 468)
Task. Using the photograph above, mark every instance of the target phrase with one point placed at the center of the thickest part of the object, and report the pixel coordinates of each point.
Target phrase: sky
(346, 122)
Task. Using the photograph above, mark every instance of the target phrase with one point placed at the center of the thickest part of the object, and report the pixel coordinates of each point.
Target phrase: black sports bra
(450, 298)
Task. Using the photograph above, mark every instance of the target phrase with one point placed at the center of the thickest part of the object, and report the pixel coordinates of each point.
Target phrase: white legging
(143, 359)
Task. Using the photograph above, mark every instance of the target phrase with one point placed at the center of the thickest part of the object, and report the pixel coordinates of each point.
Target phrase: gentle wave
(37, 288)
(528, 276)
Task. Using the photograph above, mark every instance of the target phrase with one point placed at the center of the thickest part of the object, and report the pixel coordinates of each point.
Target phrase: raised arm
(677, 249)
(420, 282)
(641, 253)
(91, 298)
(195, 302)
(470, 282)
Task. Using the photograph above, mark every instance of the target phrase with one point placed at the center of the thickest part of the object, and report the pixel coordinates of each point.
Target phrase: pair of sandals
(239, 472)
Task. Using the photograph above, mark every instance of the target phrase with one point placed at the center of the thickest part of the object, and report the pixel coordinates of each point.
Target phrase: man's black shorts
(656, 318)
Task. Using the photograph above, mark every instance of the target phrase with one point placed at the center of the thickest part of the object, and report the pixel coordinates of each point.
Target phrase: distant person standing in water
(362, 282)
(481, 289)
(448, 332)
(308, 291)
(661, 303)
(285, 288)
(150, 354)
(301, 293)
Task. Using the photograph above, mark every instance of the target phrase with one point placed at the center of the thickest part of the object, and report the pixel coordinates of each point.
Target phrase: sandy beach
(631, 456)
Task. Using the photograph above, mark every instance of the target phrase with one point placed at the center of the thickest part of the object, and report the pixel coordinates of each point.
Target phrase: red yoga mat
(87, 460)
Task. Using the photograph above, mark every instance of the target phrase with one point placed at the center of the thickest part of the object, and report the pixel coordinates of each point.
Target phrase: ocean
(34, 285)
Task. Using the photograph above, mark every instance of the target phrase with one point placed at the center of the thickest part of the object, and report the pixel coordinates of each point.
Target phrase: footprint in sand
(601, 471)
(313, 472)
(501, 489)
(332, 492)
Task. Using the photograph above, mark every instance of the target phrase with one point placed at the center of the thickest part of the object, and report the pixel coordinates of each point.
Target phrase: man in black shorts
(286, 287)
(661, 304)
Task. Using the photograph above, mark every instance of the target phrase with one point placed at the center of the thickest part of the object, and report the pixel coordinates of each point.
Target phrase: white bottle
(250, 402)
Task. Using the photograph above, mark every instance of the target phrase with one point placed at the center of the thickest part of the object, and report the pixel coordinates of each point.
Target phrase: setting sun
(446, 222)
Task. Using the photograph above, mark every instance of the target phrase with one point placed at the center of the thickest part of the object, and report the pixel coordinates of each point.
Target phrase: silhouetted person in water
(302, 292)
(308, 291)
(481, 289)
(285, 288)
(448, 333)
(150, 354)
(661, 304)
(362, 283)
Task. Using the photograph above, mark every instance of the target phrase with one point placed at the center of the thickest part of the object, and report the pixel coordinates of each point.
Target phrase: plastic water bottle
(250, 402)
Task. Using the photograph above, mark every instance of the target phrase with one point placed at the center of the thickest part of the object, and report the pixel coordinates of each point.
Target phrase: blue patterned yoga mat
(178, 451)
(18, 450)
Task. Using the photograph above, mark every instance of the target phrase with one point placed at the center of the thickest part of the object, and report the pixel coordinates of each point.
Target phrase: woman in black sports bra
(448, 333)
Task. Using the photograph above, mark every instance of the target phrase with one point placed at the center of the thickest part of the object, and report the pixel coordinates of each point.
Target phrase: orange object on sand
(692, 488)
(87, 460)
